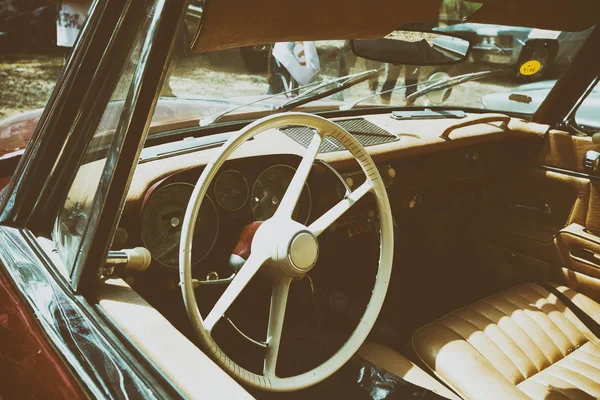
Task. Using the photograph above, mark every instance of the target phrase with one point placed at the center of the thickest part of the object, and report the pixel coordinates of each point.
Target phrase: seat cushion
(397, 364)
(520, 343)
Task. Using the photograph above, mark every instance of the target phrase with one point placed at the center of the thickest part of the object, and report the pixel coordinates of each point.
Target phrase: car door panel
(508, 265)
(580, 250)
(567, 152)
(525, 208)
(548, 213)
(579, 241)
(68, 327)
(28, 359)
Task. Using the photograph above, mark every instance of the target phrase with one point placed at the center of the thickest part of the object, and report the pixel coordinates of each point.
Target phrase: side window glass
(587, 116)
(77, 219)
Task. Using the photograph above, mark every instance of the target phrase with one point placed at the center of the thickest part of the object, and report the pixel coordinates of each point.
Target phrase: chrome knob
(592, 160)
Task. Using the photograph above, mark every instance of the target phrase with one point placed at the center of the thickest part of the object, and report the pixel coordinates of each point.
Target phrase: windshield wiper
(450, 83)
(350, 106)
(433, 85)
(347, 81)
(211, 119)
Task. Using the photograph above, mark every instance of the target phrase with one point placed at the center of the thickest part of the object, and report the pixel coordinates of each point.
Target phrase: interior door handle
(585, 255)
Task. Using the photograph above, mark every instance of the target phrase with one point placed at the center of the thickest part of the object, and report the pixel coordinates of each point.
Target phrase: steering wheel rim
(273, 257)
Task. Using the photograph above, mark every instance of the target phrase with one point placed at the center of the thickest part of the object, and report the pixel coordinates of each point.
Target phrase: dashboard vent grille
(367, 134)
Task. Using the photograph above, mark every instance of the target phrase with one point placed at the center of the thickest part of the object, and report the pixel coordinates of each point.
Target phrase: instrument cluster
(230, 204)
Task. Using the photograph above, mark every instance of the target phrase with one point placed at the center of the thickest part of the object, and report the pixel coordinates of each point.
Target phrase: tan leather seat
(396, 363)
(521, 343)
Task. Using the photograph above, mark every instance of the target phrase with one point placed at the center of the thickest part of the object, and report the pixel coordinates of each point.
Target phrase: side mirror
(414, 48)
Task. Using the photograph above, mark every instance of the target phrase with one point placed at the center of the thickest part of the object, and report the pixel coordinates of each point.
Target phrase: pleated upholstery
(521, 343)
(577, 376)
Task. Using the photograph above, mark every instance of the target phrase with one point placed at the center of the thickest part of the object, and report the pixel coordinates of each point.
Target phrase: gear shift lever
(241, 252)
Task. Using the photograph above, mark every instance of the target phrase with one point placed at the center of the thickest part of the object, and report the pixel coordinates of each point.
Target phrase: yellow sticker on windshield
(530, 67)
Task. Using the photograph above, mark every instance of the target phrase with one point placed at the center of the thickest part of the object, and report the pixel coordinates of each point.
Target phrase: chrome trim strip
(569, 172)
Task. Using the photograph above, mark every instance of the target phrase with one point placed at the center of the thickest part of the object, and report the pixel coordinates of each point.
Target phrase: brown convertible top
(235, 23)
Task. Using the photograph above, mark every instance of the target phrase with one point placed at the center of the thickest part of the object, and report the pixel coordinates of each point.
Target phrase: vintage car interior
(479, 216)
(459, 252)
(492, 217)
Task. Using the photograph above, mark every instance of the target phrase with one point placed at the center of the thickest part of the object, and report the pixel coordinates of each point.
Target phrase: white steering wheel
(284, 249)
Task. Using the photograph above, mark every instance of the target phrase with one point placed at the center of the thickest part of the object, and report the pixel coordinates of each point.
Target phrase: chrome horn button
(303, 251)
(296, 251)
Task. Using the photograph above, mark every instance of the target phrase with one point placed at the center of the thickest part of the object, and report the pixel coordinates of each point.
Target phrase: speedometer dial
(162, 217)
(231, 190)
(268, 190)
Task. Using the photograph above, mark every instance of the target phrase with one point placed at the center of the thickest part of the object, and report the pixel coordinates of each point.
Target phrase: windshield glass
(509, 69)
(518, 66)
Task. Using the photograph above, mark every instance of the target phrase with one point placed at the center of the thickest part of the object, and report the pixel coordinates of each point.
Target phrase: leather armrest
(578, 248)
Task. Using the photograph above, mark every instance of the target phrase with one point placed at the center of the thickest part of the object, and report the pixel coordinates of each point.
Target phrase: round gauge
(162, 218)
(231, 190)
(268, 190)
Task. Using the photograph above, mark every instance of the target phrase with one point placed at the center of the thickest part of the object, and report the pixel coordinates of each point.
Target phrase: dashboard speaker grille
(367, 134)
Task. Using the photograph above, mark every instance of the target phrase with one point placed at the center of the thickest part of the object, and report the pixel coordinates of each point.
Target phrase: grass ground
(26, 81)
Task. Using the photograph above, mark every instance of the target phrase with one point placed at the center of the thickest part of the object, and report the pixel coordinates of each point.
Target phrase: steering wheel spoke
(279, 297)
(296, 186)
(325, 220)
(246, 273)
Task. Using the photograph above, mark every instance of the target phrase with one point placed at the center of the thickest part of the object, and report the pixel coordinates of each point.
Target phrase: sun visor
(558, 15)
(237, 23)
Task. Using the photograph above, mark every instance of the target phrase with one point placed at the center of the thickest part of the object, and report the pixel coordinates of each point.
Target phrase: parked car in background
(527, 98)
(532, 53)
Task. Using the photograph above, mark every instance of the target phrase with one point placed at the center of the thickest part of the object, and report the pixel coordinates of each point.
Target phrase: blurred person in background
(292, 64)
(391, 73)
(69, 21)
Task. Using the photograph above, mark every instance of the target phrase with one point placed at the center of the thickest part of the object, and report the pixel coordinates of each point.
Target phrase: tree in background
(455, 11)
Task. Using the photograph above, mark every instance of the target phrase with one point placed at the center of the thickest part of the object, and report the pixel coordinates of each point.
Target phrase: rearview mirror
(414, 48)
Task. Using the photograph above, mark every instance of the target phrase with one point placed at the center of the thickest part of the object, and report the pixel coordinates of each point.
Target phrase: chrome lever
(592, 160)
(545, 209)
(197, 283)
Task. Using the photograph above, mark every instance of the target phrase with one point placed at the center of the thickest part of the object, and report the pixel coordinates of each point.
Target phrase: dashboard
(416, 169)
(250, 185)
(244, 191)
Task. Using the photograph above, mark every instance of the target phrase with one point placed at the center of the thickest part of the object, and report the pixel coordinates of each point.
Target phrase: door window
(77, 218)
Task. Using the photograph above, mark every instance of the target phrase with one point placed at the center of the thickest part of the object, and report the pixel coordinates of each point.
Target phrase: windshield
(517, 68)
(510, 69)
